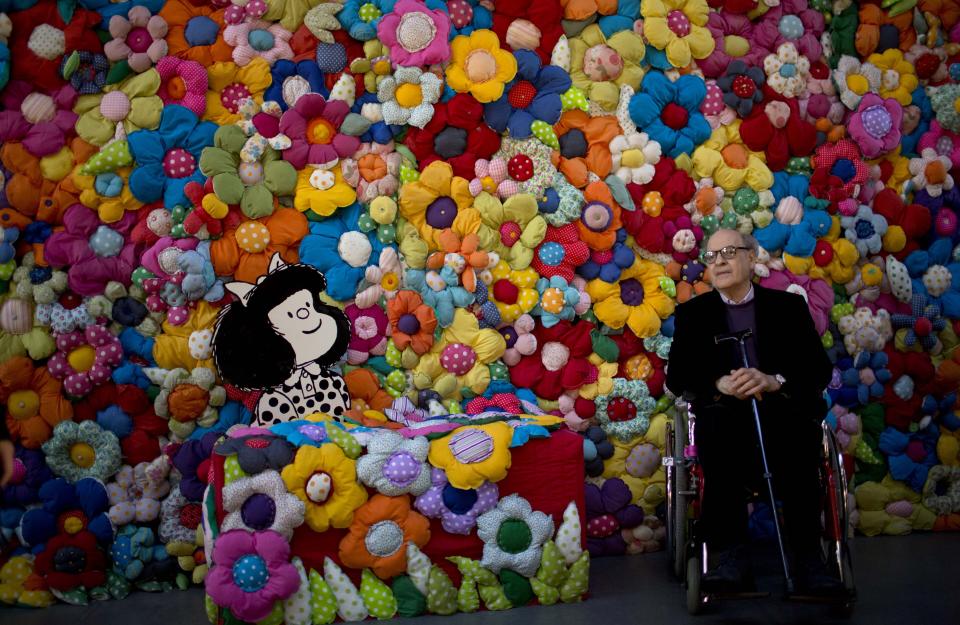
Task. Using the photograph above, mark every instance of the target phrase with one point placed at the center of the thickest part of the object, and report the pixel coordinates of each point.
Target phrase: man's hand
(747, 382)
(6, 462)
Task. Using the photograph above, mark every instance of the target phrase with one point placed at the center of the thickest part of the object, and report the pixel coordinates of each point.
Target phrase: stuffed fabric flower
(437, 201)
(187, 398)
(408, 96)
(411, 322)
(34, 401)
(787, 71)
(230, 84)
(378, 536)
(456, 134)
(314, 127)
(601, 65)
(326, 481)
(184, 83)
(258, 39)
(637, 300)
(456, 508)
(561, 360)
(875, 126)
(368, 337)
(678, 27)
(792, 21)
(322, 191)
(261, 503)
(584, 146)
(512, 229)
(187, 345)
(479, 66)
(41, 122)
(725, 159)
(128, 106)
(138, 39)
(394, 465)
(513, 535)
(244, 251)
(669, 112)
(415, 34)
(377, 174)
(79, 450)
(85, 359)
(195, 32)
(473, 455)
(533, 96)
(931, 173)
(898, 77)
(167, 157)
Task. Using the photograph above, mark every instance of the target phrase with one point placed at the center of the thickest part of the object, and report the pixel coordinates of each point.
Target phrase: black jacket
(787, 343)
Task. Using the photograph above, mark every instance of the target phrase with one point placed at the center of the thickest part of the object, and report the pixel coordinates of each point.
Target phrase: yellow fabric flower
(600, 66)
(459, 359)
(900, 172)
(189, 345)
(323, 202)
(478, 65)
(439, 200)
(512, 229)
(637, 300)
(513, 291)
(898, 76)
(834, 264)
(229, 83)
(325, 479)
(110, 209)
(473, 454)
(637, 463)
(606, 372)
(13, 575)
(678, 27)
(730, 163)
(135, 105)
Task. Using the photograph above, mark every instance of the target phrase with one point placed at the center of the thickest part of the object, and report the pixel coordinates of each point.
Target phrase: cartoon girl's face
(311, 333)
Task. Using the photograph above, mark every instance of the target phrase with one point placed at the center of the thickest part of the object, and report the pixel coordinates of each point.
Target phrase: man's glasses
(727, 252)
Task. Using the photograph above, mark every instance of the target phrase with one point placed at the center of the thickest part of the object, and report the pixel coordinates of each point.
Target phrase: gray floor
(904, 581)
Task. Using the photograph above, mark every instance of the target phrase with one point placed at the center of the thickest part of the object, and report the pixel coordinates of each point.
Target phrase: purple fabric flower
(457, 509)
(251, 572)
(30, 472)
(40, 121)
(791, 22)
(369, 333)
(608, 512)
(313, 125)
(192, 459)
(875, 125)
(258, 452)
(95, 253)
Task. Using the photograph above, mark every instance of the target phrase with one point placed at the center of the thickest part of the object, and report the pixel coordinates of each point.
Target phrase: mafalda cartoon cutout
(280, 338)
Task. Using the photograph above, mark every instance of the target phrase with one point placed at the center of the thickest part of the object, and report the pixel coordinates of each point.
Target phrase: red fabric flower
(530, 24)
(72, 560)
(142, 442)
(561, 362)
(40, 39)
(560, 253)
(913, 219)
(498, 402)
(457, 134)
(899, 412)
(839, 172)
(778, 129)
(636, 363)
(665, 197)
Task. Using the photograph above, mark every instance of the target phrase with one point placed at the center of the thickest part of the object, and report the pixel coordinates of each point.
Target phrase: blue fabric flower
(794, 239)
(533, 95)
(180, 131)
(859, 387)
(908, 143)
(628, 11)
(91, 74)
(333, 239)
(88, 495)
(285, 69)
(445, 301)
(621, 256)
(4, 65)
(137, 353)
(109, 8)
(571, 297)
(928, 274)
(360, 17)
(661, 105)
(894, 444)
(481, 18)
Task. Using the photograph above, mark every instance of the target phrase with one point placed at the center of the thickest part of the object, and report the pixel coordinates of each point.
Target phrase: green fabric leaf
(516, 587)
(545, 133)
(211, 608)
(577, 581)
(350, 605)
(493, 597)
(71, 65)
(118, 72)
(66, 9)
(323, 605)
(546, 594)
(111, 157)
(410, 601)
(257, 201)
(468, 599)
(377, 596)
(231, 470)
(474, 570)
(355, 125)
(441, 593)
(553, 570)
(345, 441)
(296, 607)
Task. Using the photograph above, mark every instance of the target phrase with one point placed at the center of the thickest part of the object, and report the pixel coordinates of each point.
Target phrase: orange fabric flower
(33, 189)
(468, 248)
(378, 537)
(33, 400)
(872, 19)
(244, 251)
(598, 132)
(408, 305)
(365, 391)
(178, 14)
(600, 219)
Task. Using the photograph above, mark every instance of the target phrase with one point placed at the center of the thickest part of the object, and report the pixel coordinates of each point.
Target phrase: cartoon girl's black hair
(247, 351)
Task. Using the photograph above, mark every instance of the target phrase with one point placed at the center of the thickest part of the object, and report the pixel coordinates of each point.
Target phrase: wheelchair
(684, 490)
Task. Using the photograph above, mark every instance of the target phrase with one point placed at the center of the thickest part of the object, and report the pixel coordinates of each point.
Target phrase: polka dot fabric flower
(85, 359)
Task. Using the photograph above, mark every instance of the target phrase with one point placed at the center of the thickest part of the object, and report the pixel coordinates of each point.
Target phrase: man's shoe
(731, 573)
(815, 578)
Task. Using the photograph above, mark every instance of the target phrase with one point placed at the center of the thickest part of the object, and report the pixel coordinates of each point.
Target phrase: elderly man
(788, 372)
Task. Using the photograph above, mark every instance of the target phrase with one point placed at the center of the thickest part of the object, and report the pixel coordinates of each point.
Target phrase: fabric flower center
(461, 13)
(632, 158)
(82, 455)
(791, 27)
(552, 301)
(450, 142)
(187, 402)
(514, 536)
(82, 358)
(251, 174)
(735, 45)
(318, 487)
(927, 65)
(23, 404)
(471, 446)
(70, 560)
(232, 94)
(106, 242)
(631, 292)
(190, 515)
(858, 84)
(788, 70)
(506, 292)
(458, 358)
(37, 108)
(369, 12)
(408, 324)
(877, 121)
(822, 254)
(19, 472)
(320, 131)
(551, 253)
(638, 367)
(937, 279)
(139, 39)
(415, 31)
(652, 203)
(115, 106)
(596, 216)
(457, 500)
(734, 155)
(480, 66)
(47, 42)
(864, 229)
(365, 327)
(384, 539)
(401, 468)
(372, 167)
(250, 573)
(520, 167)
(621, 409)
(260, 39)
(935, 172)
(176, 88)
(409, 95)
(201, 31)
(573, 144)
(743, 87)
(178, 163)
(944, 146)
(510, 233)
(602, 63)
(843, 169)
(252, 237)
(441, 213)
(679, 23)
(258, 511)
(522, 94)
(293, 87)
(200, 344)
(354, 248)
(674, 116)
(643, 460)
(554, 356)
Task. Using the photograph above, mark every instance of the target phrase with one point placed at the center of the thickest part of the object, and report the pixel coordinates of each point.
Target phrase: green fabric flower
(79, 450)
(253, 185)
(625, 412)
(944, 102)
(513, 536)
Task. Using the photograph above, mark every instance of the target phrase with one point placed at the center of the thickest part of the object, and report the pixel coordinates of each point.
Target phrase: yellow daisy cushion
(426, 203)
(473, 454)
(325, 479)
(228, 83)
(727, 160)
(637, 300)
(678, 27)
(514, 291)
(600, 66)
(479, 66)
(512, 229)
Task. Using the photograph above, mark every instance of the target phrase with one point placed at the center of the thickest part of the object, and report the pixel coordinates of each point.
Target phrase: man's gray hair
(751, 242)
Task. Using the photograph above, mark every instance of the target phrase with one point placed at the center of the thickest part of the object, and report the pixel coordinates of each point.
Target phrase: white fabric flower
(931, 172)
(395, 465)
(513, 536)
(261, 503)
(408, 96)
(787, 71)
(855, 79)
(634, 156)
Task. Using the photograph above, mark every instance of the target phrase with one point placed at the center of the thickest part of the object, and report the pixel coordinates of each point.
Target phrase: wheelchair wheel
(837, 519)
(677, 484)
(694, 597)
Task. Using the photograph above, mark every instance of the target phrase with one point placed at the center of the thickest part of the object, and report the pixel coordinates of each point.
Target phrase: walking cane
(740, 338)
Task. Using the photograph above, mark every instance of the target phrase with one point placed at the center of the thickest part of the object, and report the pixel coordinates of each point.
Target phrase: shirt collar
(746, 298)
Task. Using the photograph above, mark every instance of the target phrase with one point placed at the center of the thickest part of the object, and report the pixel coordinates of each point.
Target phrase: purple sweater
(740, 317)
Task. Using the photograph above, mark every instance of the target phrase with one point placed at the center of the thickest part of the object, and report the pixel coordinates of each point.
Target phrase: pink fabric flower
(85, 359)
(184, 83)
(520, 339)
(415, 34)
(793, 21)
(137, 38)
(374, 170)
(722, 25)
(251, 572)
(818, 293)
(875, 125)
(493, 176)
(269, 41)
(944, 142)
(95, 253)
(40, 121)
(369, 333)
(313, 125)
